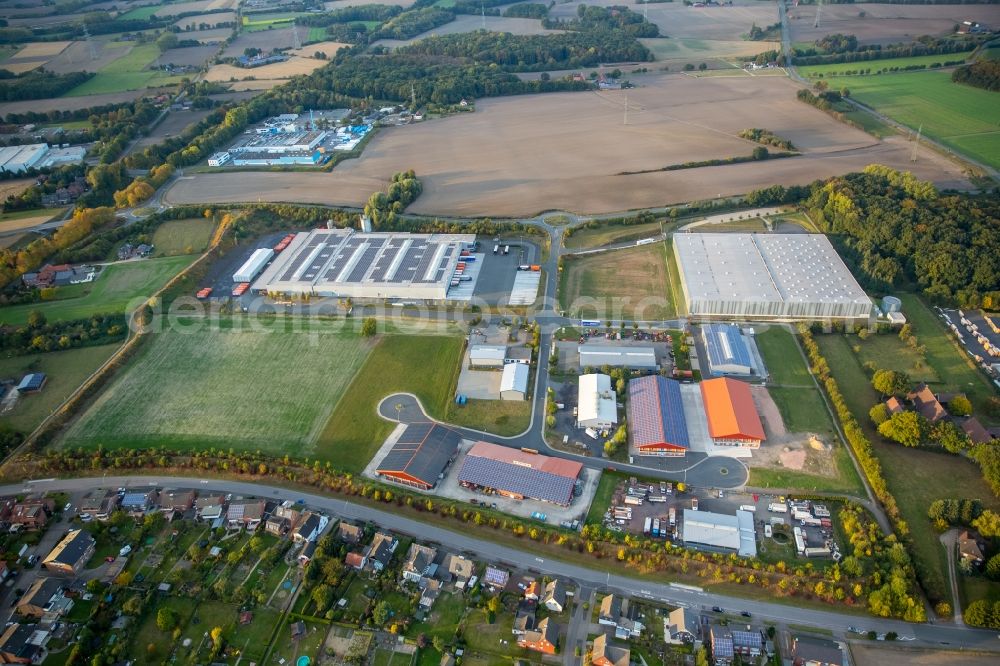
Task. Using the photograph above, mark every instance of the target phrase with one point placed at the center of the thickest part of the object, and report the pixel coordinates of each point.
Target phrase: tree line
(846, 49)
(981, 74)
(38, 84)
(38, 335)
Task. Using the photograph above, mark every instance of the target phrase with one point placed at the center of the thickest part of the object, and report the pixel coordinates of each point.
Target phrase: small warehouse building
(420, 456)
(632, 358)
(732, 416)
(597, 406)
(487, 356)
(656, 420)
(514, 382)
(727, 349)
(32, 383)
(519, 474)
(254, 265)
(719, 531)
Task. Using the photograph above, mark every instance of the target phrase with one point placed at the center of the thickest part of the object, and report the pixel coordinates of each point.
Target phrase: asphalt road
(926, 634)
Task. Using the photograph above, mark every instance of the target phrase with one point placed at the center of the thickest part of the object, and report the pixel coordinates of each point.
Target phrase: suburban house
(531, 591)
(727, 643)
(349, 533)
(306, 555)
(277, 525)
(382, 548)
(357, 560)
(927, 404)
(210, 507)
(245, 513)
(180, 501)
(430, 590)
(524, 621)
(71, 554)
(309, 528)
(544, 638)
(458, 569)
(31, 514)
(100, 504)
(614, 613)
(419, 563)
(970, 549)
(23, 644)
(681, 626)
(603, 654)
(808, 651)
(138, 502)
(45, 599)
(976, 432)
(894, 405)
(555, 596)
(496, 579)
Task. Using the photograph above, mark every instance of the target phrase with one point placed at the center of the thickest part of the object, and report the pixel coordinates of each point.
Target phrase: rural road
(665, 592)
(949, 540)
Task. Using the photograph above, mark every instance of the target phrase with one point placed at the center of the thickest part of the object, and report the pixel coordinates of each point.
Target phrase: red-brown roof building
(732, 416)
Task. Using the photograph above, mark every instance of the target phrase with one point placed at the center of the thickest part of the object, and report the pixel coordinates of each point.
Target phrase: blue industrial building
(728, 353)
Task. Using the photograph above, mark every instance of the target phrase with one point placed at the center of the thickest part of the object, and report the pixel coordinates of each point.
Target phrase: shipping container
(748, 507)
(672, 516)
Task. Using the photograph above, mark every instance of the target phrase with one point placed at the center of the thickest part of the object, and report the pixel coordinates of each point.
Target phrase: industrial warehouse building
(487, 356)
(519, 474)
(18, 159)
(347, 263)
(727, 349)
(597, 404)
(633, 358)
(514, 382)
(254, 265)
(732, 415)
(719, 531)
(767, 276)
(656, 422)
(420, 455)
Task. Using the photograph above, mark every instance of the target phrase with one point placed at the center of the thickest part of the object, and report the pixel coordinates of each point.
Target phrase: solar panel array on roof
(519, 478)
(422, 452)
(32, 382)
(727, 350)
(656, 413)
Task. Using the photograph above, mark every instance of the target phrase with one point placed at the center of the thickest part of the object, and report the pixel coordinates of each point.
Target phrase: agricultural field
(117, 287)
(266, 40)
(173, 123)
(66, 370)
(620, 284)
(129, 72)
(470, 23)
(355, 431)
(26, 219)
(884, 23)
(177, 8)
(34, 55)
(240, 387)
(962, 117)
(279, 71)
(851, 68)
(327, 47)
(675, 53)
(178, 237)
(194, 23)
(538, 162)
(68, 103)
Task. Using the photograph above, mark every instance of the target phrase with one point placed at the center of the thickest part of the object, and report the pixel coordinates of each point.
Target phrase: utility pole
(916, 143)
(626, 108)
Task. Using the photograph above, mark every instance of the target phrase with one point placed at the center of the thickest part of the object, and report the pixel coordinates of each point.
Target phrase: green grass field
(140, 12)
(182, 237)
(398, 363)
(802, 410)
(66, 370)
(782, 357)
(842, 69)
(501, 417)
(261, 22)
(606, 235)
(118, 287)
(246, 389)
(961, 117)
(629, 283)
(130, 72)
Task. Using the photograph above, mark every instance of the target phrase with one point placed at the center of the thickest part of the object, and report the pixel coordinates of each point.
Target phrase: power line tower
(413, 98)
(90, 42)
(916, 143)
(819, 12)
(296, 42)
(482, 8)
(626, 109)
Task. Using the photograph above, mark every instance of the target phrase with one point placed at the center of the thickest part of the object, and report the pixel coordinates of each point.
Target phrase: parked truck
(646, 526)
(776, 507)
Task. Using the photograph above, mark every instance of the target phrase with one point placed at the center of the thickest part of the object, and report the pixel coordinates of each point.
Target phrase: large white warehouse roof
(797, 276)
(720, 530)
(598, 405)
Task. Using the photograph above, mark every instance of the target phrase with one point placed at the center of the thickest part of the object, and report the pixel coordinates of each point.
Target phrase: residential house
(277, 525)
(531, 591)
(31, 514)
(927, 404)
(808, 651)
(524, 620)
(245, 513)
(100, 504)
(544, 638)
(611, 610)
(180, 501)
(138, 502)
(727, 643)
(210, 507)
(430, 590)
(44, 598)
(681, 626)
(357, 560)
(970, 548)
(310, 527)
(382, 548)
(555, 596)
(307, 553)
(71, 554)
(419, 563)
(976, 432)
(298, 629)
(604, 654)
(23, 644)
(457, 568)
(349, 533)
(495, 579)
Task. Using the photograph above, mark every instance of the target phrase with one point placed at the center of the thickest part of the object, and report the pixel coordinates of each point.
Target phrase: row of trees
(41, 336)
(766, 137)
(38, 84)
(981, 74)
(844, 48)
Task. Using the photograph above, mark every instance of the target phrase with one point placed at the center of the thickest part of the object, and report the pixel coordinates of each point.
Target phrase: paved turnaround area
(591, 579)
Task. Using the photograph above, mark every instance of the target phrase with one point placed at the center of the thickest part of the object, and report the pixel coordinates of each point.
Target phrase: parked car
(745, 613)
(717, 609)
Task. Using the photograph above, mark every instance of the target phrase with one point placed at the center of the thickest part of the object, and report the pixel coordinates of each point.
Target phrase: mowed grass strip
(500, 417)
(425, 365)
(245, 389)
(631, 283)
(66, 370)
(782, 357)
(608, 234)
(116, 288)
(182, 237)
(130, 72)
(842, 69)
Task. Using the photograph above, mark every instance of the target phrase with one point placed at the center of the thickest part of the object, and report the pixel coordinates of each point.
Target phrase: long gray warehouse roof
(421, 452)
(719, 530)
(595, 356)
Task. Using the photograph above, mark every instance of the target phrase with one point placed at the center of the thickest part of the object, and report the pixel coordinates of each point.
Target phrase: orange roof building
(732, 416)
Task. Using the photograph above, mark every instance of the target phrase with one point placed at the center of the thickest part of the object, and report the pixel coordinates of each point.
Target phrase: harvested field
(77, 57)
(279, 70)
(69, 103)
(339, 4)
(266, 40)
(621, 284)
(14, 187)
(193, 56)
(179, 8)
(521, 155)
(683, 51)
(22, 223)
(172, 125)
(41, 49)
(872, 655)
(885, 24)
(469, 23)
(191, 23)
(214, 36)
(329, 48)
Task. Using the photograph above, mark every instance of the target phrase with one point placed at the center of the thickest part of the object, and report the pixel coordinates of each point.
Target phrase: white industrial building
(514, 382)
(767, 276)
(350, 264)
(633, 358)
(487, 356)
(597, 404)
(720, 531)
(218, 159)
(254, 265)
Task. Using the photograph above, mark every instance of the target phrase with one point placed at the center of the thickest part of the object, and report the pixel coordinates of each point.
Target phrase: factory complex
(767, 276)
(289, 139)
(519, 474)
(369, 265)
(720, 531)
(18, 159)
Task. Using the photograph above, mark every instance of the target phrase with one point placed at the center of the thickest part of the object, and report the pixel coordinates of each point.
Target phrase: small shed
(32, 383)
(298, 629)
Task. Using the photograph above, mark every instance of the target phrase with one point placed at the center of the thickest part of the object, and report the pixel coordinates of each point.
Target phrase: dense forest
(897, 229)
(981, 74)
(38, 84)
(412, 23)
(591, 19)
(527, 10)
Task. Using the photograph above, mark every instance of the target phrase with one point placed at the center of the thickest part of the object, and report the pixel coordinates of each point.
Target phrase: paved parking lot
(496, 276)
(478, 384)
(968, 339)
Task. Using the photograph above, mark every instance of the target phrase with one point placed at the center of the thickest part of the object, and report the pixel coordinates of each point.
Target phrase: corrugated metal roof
(528, 474)
(726, 346)
(488, 352)
(656, 413)
(515, 378)
(730, 409)
(422, 451)
(597, 402)
(597, 355)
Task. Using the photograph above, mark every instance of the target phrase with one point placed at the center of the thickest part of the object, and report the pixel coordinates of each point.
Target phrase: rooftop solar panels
(527, 475)
(727, 350)
(656, 414)
(420, 454)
